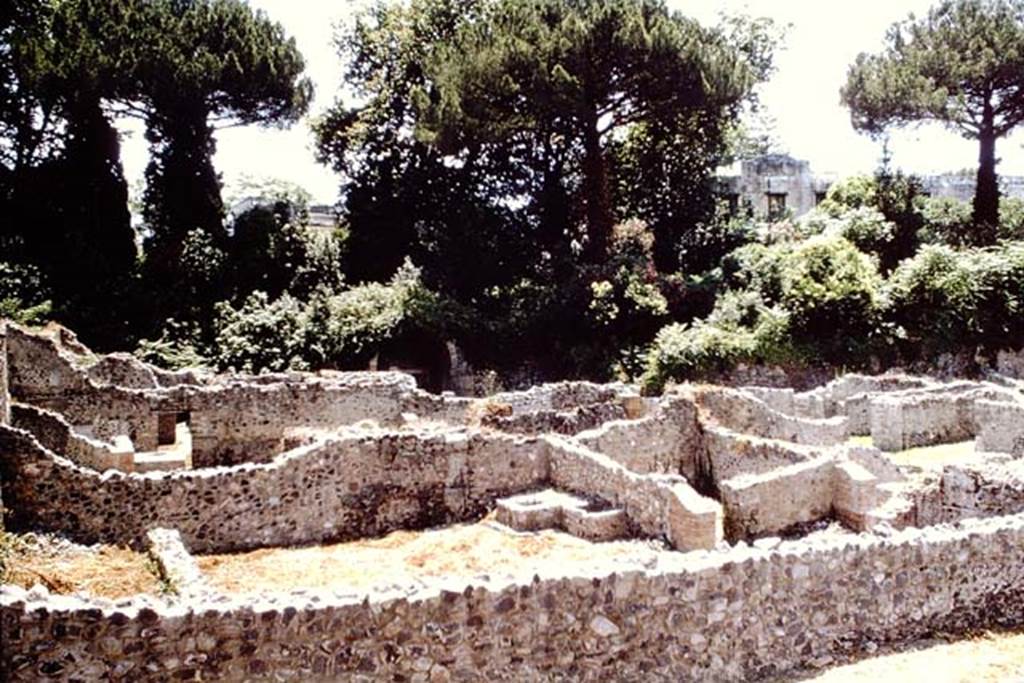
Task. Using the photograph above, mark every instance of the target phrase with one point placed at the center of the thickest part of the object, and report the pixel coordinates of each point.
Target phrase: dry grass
(926, 456)
(104, 571)
(405, 557)
(992, 658)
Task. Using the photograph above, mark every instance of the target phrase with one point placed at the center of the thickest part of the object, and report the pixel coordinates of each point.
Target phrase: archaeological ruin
(570, 531)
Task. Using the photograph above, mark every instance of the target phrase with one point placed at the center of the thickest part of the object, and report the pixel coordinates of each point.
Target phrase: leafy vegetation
(532, 180)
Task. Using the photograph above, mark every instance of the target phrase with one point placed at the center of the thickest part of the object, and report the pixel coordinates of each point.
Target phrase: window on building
(776, 205)
(733, 198)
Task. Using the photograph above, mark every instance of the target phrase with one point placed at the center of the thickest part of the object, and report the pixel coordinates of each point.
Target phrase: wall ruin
(713, 476)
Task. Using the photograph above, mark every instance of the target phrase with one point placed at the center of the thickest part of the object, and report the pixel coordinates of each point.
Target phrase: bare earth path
(991, 658)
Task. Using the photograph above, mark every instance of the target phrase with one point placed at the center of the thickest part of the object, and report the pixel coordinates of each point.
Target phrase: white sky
(823, 39)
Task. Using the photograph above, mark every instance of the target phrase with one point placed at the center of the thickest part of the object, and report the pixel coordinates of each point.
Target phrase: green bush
(946, 221)
(741, 329)
(946, 300)
(23, 296)
(1011, 218)
(262, 335)
(805, 302)
(865, 227)
(831, 292)
(855, 192)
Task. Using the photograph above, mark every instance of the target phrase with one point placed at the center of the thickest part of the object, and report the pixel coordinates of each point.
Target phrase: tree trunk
(986, 194)
(597, 194)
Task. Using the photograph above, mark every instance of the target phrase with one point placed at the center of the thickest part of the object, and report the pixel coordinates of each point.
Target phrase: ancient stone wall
(731, 616)
(983, 489)
(662, 506)
(1000, 427)
(761, 504)
(668, 440)
(5, 397)
(743, 412)
(57, 435)
(931, 416)
(347, 487)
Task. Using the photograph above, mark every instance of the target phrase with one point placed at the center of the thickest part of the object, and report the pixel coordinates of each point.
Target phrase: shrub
(865, 227)
(816, 300)
(1011, 218)
(945, 299)
(686, 351)
(855, 192)
(262, 335)
(23, 296)
(831, 292)
(946, 221)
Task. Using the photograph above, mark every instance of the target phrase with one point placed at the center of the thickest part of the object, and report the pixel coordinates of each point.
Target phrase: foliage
(830, 291)
(864, 227)
(742, 329)
(576, 75)
(944, 300)
(960, 65)
(813, 301)
(946, 220)
(853, 192)
(204, 62)
(23, 296)
(176, 348)
(339, 330)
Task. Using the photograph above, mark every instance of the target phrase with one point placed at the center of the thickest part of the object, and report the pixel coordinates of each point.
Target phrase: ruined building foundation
(779, 529)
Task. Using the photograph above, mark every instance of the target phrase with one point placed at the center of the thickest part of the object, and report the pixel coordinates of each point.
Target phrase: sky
(822, 40)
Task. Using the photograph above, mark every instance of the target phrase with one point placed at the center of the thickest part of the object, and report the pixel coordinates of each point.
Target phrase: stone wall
(1000, 427)
(347, 487)
(743, 412)
(983, 489)
(5, 398)
(660, 506)
(668, 440)
(57, 435)
(939, 415)
(731, 616)
(765, 504)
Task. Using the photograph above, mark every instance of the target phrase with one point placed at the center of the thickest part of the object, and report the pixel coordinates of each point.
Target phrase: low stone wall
(5, 397)
(986, 489)
(58, 436)
(729, 616)
(729, 454)
(743, 412)
(668, 440)
(557, 396)
(766, 504)
(348, 487)
(661, 506)
(928, 417)
(1000, 427)
(571, 421)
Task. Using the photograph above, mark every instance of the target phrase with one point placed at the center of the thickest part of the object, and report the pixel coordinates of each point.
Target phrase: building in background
(776, 186)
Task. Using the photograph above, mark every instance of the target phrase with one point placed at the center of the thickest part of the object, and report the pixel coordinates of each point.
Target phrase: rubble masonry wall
(732, 616)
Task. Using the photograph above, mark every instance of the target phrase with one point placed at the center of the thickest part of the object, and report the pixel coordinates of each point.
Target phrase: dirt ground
(64, 567)
(991, 658)
(406, 557)
(927, 456)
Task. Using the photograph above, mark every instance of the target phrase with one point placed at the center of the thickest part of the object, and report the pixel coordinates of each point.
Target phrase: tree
(205, 64)
(61, 63)
(961, 65)
(399, 196)
(575, 75)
